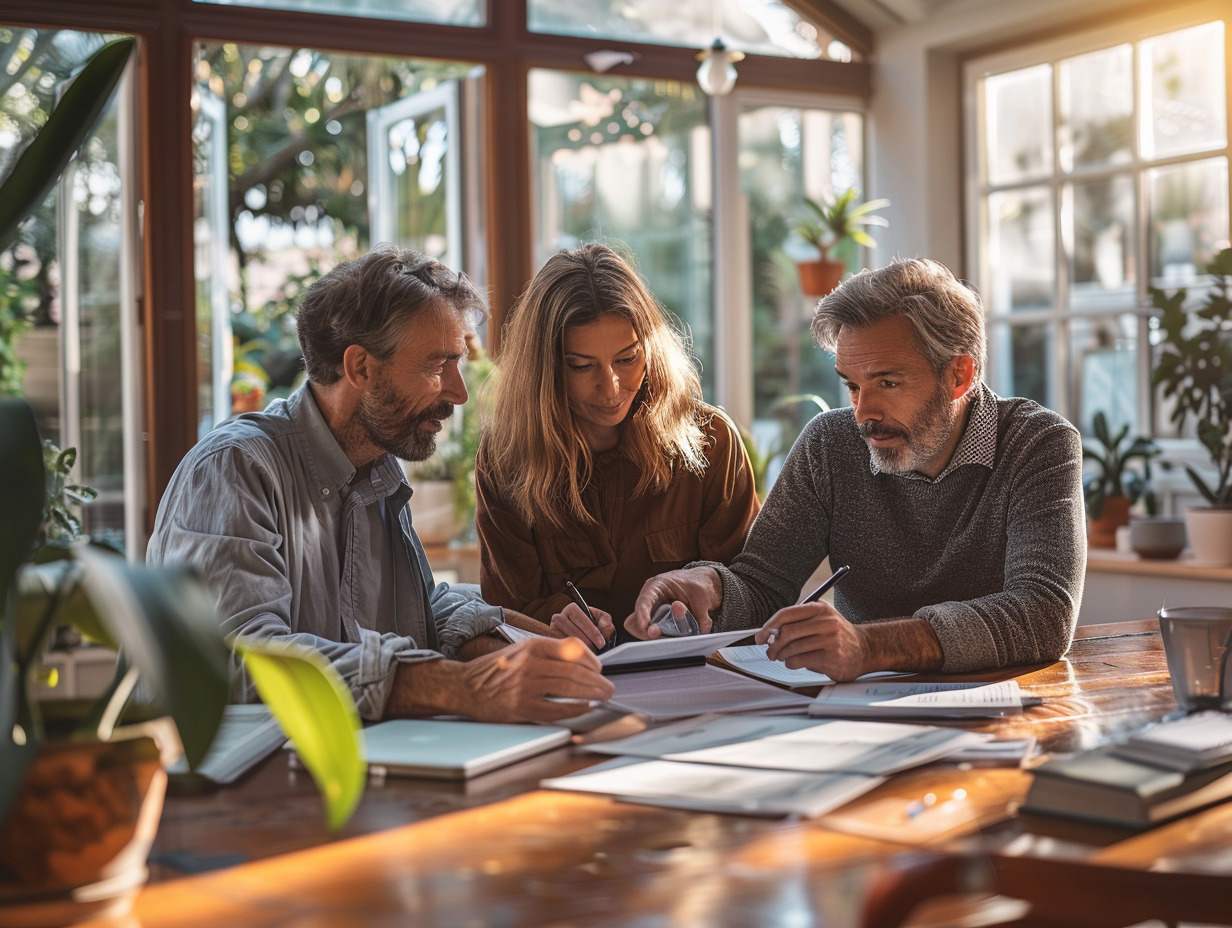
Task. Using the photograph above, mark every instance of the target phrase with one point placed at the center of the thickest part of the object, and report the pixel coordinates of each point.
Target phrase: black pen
(576, 595)
(821, 590)
(814, 596)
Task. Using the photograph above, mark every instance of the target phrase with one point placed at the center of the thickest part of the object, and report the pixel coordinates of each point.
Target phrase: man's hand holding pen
(816, 636)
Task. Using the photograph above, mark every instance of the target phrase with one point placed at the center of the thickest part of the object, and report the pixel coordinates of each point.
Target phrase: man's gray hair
(946, 316)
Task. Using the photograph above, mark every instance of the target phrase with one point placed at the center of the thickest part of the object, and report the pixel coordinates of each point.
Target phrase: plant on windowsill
(1193, 369)
(1114, 487)
(828, 224)
(81, 781)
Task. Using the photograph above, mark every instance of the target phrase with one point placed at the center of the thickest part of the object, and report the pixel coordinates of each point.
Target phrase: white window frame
(1058, 316)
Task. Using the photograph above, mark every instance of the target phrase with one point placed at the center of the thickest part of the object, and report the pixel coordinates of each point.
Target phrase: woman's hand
(572, 622)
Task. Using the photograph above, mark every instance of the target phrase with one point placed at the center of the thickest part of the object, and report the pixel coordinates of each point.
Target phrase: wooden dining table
(499, 851)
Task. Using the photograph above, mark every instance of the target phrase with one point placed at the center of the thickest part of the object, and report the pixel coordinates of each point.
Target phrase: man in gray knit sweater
(959, 513)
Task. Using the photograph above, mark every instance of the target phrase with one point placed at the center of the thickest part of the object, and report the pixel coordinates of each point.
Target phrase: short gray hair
(946, 316)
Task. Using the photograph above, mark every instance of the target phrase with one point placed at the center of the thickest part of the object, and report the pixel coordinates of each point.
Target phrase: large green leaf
(50, 151)
(318, 714)
(166, 623)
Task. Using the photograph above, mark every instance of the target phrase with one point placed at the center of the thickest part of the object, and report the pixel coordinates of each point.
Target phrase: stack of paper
(716, 788)
(894, 700)
(1194, 742)
(760, 765)
(664, 695)
(799, 744)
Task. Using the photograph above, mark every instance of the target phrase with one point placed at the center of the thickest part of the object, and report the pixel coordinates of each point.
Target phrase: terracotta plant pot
(75, 840)
(1113, 514)
(247, 401)
(817, 278)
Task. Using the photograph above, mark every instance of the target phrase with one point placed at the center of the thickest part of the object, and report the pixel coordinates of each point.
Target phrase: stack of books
(1166, 771)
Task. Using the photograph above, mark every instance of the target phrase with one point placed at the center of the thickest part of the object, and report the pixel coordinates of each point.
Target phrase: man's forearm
(427, 688)
(908, 644)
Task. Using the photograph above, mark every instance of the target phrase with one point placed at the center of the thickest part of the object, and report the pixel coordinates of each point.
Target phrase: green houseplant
(59, 757)
(1193, 369)
(1113, 487)
(827, 226)
(81, 781)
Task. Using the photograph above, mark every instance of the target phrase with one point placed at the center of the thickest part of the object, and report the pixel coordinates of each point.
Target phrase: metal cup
(1197, 641)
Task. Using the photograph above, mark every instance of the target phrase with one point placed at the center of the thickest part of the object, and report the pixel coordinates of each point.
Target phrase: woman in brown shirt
(601, 465)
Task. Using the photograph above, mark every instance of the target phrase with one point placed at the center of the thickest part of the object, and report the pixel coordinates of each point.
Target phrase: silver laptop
(453, 750)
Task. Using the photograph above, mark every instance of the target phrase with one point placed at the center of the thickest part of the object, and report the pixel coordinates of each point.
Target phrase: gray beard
(927, 438)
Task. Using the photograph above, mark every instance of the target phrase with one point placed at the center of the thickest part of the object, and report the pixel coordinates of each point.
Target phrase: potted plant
(81, 781)
(1113, 487)
(1193, 369)
(828, 224)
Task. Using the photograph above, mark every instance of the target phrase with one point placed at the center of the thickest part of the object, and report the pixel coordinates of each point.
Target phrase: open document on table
(897, 701)
(752, 659)
(664, 695)
(807, 745)
(717, 788)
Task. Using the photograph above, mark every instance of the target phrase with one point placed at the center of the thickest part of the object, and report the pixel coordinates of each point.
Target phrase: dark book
(1101, 787)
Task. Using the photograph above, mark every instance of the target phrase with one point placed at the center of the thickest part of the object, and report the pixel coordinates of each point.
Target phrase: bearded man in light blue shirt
(298, 519)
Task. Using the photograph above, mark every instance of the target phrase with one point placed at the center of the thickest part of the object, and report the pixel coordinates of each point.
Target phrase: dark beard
(928, 435)
(380, 417)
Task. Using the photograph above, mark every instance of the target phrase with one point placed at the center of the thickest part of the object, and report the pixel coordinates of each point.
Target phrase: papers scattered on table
(715, 788)
(751, 659)
(805, 745)
(1194, 742)
(634, 655)
(892, 700)
(664, 695)
(247, 734)
(1002, 752)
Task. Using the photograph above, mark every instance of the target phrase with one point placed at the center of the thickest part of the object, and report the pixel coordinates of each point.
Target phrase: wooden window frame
(167, 31)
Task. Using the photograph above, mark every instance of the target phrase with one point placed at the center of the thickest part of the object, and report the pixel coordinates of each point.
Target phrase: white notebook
(453, 750)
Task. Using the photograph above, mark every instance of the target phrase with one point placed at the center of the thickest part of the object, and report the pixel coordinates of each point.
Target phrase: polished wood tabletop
(498, 851)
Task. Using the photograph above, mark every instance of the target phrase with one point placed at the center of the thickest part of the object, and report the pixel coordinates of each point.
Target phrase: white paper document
(715, 788)
(896, 700)
(669, 649)
(751, 659)
(805, 745)
(663, 695)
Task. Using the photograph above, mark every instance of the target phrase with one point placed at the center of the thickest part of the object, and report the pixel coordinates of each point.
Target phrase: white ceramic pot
(1210, 534)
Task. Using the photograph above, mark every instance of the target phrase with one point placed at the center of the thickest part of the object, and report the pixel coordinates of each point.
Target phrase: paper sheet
(715, 788)
(751, 659)
(663, 695)
(806, 745)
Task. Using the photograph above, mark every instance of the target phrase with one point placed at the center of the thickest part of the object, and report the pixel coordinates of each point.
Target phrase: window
(452, 12)
(439, 140)
(68, 305)
(1100, 170)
